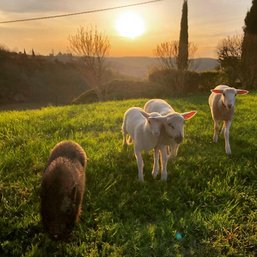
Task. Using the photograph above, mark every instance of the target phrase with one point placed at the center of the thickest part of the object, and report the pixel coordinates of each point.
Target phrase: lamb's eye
(223, 94)
(172, 126)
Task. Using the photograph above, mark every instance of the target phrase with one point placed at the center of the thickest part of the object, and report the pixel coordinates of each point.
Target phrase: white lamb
(144, 130)
(172, 133)
(222, 105)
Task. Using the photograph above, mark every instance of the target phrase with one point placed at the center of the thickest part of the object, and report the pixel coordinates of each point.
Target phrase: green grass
(209, 197)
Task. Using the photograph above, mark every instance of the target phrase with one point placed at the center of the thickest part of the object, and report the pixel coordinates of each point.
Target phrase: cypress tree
(249, 48)
(183, 39)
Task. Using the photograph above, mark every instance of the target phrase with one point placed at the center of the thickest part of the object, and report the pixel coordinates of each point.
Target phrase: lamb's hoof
(228, 152)
(172, 157)
(164, 177)
(154, 173)
(141, 180)
(215, 139)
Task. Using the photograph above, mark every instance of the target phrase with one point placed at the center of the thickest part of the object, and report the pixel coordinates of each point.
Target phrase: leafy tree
(251, 19)
(183, 39)
(92, 46)
(249, 48)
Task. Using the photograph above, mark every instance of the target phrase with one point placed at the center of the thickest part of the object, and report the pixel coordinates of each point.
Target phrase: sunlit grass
(211, 199)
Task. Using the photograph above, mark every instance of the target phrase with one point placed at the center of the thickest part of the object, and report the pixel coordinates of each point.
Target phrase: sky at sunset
(209, 22)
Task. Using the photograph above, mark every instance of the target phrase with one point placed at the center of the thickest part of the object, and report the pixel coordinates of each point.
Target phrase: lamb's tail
(127, 140)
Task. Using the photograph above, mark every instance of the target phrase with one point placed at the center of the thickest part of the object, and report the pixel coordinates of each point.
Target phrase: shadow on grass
(115, 197)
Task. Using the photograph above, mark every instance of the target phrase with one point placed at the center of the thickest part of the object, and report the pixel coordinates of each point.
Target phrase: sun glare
(130, 25)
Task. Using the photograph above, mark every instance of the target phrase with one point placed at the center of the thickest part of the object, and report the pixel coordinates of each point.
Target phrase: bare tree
(229, 52)
(192, 49)
(93, 46)
(230, 47)
(167, 54)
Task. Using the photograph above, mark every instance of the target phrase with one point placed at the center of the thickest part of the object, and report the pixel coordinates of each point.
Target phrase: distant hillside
(57, 79)
(139, 67)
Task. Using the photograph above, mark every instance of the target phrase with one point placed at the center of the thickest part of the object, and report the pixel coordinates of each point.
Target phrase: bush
(169, 81)
(209, 80)
(194, 81)
(89, 96)
(125, 89)
(122, 89)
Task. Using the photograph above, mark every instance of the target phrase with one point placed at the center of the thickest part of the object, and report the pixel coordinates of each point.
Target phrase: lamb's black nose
(178, 139)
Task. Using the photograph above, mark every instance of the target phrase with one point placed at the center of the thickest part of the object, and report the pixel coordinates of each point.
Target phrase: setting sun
(130, 25)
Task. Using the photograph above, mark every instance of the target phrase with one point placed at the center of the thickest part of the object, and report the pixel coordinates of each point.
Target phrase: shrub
(169, 81)
(88, 96)
(209, 79)
(125, 89)
(192, 81)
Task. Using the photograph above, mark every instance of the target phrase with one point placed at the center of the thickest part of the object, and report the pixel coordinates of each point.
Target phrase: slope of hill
(208, 206)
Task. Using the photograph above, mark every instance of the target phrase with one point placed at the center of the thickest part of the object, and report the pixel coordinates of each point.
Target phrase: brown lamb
(62, 189)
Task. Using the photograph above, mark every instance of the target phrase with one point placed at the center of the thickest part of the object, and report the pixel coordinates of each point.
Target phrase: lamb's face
(229, 98)
(174, 127)
(155, 121)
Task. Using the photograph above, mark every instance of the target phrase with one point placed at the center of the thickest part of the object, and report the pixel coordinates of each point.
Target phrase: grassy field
(209, 198)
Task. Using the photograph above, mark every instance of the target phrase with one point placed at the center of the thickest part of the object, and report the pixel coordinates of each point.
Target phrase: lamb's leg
(216, 131)
(156, 162)
(140, 165)
(164, 161)
(124, 143)
(223, 129)
(124, 134)
(226, 135)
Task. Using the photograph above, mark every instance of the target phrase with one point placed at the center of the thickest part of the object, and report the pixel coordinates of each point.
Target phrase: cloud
(27, 6)
(46, 6)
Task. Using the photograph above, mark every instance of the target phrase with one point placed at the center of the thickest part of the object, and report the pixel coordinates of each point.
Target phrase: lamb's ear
(242, 91)
(217, 91)
(188, 115)
(145, 114)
